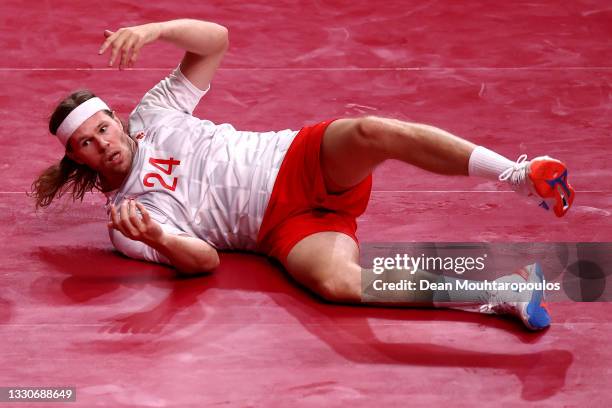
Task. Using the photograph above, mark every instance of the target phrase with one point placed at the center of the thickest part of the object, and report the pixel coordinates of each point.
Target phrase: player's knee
(367, 127)
(329, 289)
(370, 132)
(337, 286)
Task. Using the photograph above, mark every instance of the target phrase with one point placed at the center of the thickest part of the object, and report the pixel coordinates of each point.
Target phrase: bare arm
(205, 44)
(185, 253)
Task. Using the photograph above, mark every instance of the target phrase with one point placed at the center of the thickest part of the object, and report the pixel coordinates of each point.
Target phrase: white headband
(79, 115)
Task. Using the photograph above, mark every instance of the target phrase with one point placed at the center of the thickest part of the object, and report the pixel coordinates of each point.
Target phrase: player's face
(101, 144)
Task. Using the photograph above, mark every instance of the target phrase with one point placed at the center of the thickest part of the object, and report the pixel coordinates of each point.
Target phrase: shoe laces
(504, 308)
(517, 173)
(499, 303)
(499, 308)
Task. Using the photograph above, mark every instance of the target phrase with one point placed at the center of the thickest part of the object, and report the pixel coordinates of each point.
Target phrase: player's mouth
(114, 158)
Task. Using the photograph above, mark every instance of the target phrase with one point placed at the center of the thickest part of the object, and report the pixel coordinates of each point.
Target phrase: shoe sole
(549, 179)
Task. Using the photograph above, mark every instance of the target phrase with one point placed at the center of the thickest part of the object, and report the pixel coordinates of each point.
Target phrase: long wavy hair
(66, 176)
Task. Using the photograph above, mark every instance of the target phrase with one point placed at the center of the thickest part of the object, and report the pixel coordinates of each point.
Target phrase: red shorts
(300, 204)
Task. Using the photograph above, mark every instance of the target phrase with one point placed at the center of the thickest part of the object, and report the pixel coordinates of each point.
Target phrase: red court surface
(523, 77)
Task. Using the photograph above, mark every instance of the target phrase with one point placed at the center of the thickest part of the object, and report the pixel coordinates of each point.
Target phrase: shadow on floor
(85, 274)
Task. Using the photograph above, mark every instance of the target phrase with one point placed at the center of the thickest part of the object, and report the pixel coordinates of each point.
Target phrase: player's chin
(116, 162)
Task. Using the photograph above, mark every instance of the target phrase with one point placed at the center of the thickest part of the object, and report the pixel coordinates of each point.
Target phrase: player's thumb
(107, 33)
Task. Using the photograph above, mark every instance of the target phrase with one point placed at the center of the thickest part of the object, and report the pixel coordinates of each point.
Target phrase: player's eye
(85, 142)
(103, 129)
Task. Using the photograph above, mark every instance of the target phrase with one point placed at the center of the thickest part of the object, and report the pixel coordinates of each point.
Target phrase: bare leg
(328, 264)
(352, 148)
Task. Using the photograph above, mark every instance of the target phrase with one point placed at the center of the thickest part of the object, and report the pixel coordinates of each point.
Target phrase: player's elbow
(221, 37)
(211, 262)
(205, 262)
(224, 34)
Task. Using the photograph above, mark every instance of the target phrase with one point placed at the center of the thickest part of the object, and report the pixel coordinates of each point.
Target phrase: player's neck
(112, 182)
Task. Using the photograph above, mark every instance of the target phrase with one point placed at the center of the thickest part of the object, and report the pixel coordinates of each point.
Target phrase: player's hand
(127, 42)
(134, 226)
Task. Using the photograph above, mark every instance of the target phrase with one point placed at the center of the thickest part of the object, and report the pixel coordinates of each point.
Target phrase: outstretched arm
(205, 44)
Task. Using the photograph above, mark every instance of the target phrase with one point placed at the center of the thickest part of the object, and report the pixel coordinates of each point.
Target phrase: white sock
(488, 164)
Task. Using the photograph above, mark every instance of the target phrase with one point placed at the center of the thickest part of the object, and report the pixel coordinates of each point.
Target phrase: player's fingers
(107, 42)
(114, 217)
(135, 53)
(125, 220)
(117, 46)
(146, 218)
(116, 221)
(112, 41)
(125, 52)
(135, 218)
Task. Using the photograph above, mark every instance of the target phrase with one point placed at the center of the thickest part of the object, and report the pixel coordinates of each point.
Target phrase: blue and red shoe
(528, 305)
(544, 179)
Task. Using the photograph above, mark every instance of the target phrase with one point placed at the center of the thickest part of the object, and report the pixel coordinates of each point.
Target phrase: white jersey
(194, 177)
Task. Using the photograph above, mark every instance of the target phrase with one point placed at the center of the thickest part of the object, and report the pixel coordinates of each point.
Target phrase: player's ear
(70, 154)
(72, 157)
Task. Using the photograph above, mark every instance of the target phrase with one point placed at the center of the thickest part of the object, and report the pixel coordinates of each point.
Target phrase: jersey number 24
(159, 164)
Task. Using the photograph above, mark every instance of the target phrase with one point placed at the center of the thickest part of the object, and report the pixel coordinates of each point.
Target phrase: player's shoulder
(145, 114)
(144, 122)
(139, 135)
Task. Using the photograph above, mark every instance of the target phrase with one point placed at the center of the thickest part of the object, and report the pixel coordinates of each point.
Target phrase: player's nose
(103, 144)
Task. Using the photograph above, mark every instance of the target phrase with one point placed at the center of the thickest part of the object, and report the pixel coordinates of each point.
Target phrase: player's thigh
(328, 263)
(348, 154)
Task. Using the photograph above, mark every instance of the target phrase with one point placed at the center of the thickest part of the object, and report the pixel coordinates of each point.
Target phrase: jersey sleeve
(174, 93)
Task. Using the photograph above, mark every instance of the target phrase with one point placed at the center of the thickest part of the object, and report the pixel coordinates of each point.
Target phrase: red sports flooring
(519, 77)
